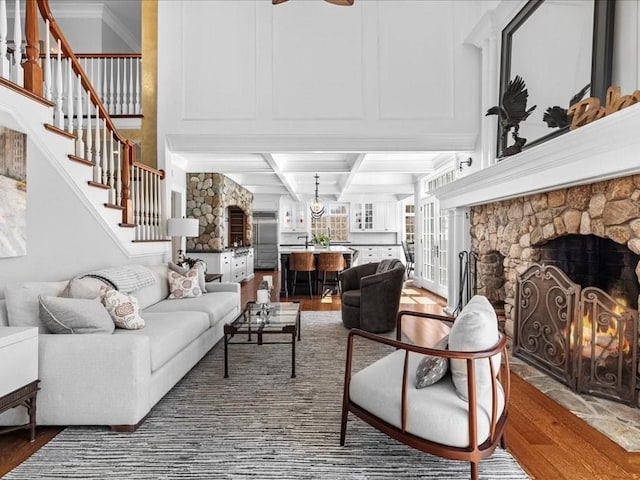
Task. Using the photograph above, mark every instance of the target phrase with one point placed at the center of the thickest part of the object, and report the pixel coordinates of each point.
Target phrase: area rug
(257, 424)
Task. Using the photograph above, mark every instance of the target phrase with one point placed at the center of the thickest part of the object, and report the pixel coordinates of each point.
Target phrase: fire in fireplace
(583, 337)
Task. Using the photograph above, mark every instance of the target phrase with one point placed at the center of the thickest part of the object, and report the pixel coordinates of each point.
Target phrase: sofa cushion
(351, 298)
(169, 333)
(158, 291)
(475, 329)
(74, 315)
(217, 305)
(435, 413)
(23, 306)
(123, 309)
(184, 286)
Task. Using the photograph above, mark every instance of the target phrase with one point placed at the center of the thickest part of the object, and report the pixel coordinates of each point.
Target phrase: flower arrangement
(321, 239)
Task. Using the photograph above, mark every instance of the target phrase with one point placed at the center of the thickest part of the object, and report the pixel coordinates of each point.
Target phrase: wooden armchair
(460, 417)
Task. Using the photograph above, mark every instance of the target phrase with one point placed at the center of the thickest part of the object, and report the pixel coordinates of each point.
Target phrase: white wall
(395, 70)
(64, 238)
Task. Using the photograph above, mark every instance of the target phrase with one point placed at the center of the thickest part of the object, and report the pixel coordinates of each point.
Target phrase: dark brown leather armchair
(371, 295)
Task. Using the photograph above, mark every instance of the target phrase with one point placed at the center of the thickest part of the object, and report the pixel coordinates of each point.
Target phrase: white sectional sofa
(115, 379)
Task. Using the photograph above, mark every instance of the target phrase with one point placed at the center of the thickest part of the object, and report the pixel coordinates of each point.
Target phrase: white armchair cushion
(435, 413)
(475, 329)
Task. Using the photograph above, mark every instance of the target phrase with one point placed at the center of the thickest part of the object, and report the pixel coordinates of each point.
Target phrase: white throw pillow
(476, 328)
(74, 315)
(184, 286)
(123, 309)
(86, 287)
(431, 369)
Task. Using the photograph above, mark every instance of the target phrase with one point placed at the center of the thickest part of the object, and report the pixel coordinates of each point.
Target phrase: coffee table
(251, 327)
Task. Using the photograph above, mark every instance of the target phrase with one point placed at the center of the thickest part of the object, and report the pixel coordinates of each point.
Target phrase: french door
(434, 275)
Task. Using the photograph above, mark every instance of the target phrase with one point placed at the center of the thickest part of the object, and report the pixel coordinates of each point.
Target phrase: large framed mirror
(558, 47)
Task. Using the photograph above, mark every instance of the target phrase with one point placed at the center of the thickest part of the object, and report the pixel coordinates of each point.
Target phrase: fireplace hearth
(582, 337)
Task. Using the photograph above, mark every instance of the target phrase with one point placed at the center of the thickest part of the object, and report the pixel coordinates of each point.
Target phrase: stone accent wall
(514, 228)
(208, 196)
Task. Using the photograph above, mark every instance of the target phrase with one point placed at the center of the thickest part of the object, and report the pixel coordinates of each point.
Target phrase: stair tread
(98, 184)
(84, 161)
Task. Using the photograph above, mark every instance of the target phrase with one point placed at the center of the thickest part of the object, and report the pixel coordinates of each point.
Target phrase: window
(410, 223)
(336, 218)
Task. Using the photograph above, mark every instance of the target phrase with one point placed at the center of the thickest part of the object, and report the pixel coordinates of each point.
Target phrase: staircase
(77, 131)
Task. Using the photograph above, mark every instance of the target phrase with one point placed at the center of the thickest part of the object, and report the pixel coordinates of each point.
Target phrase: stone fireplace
(515, 231)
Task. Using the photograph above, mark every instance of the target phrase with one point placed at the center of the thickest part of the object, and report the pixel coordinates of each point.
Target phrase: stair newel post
(79, 133)
(29, 73)
(59, 117)
(4, 61)
(126, 202)
(47, 62)
(69, 102)
(32, 70)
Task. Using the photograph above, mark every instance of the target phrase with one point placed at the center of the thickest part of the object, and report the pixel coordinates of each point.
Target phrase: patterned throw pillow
(123, 309)
(184, 286)
(431, 369)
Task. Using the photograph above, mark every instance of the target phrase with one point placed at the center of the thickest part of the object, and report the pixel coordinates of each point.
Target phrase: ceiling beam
(352, 174)
(283, 178)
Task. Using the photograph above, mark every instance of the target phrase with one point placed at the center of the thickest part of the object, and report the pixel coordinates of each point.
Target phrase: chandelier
(316, 207)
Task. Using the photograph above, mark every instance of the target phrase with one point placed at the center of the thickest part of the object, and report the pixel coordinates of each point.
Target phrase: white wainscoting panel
(219, 81)
(416, 70)
(317, 61)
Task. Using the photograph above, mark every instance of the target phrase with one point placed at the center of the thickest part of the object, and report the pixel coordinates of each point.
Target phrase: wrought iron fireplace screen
(582, 337)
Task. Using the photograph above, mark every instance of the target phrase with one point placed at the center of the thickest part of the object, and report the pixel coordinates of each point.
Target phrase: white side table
(19, 373)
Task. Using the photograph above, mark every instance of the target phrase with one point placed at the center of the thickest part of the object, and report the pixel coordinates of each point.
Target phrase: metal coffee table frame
(247, 327)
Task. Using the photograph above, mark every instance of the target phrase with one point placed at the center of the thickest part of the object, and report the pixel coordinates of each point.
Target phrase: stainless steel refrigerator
(265, 240)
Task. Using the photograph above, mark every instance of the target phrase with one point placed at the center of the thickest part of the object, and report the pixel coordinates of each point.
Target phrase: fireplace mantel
(604, 149)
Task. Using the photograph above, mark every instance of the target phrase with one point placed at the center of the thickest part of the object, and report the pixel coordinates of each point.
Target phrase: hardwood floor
(548, 441)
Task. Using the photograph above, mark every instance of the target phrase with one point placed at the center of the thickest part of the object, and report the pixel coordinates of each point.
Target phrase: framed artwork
(13, 193)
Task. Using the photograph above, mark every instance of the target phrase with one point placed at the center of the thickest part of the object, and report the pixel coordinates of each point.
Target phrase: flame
(606, 336)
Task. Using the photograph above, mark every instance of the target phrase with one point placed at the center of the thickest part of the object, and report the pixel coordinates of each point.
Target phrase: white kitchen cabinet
(293, 216)
(377, 253)
(362, 215)
(385, 218)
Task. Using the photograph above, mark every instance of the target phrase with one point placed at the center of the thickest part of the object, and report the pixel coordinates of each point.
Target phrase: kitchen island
(286, 250)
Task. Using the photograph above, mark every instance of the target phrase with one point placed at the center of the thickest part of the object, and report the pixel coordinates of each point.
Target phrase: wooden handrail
(142, 166)
(99, 55)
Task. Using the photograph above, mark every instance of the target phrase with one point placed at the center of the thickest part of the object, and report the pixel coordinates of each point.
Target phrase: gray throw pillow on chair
(431, 369)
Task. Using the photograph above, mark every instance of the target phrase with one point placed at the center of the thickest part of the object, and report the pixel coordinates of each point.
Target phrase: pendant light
(316, 207)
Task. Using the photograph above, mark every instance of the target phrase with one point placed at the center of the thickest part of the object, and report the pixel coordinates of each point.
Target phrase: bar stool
(302, 262)
(330, 262)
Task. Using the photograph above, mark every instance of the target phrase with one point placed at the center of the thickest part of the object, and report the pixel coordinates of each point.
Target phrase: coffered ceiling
(343, 176)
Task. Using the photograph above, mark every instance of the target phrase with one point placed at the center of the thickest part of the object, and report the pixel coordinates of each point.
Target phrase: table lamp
(182, 227)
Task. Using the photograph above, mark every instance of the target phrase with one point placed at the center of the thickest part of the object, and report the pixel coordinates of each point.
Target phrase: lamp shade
(183, 227)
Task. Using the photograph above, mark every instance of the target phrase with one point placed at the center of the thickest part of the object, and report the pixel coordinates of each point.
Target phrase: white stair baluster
(4, 61)
(79, 110)
(118, 172)
(59, 85)
(17, 56)
(112, 172)
(124, 86)
(69, 98)
(131, 109)
(112, 106)
(106, 171)
(96, 145)
(118, 97)
(138, 109)
(89, 141)
(47, 62)
(105, 88)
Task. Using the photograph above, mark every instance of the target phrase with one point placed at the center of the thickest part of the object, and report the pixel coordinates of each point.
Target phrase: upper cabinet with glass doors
(293, 216)
(375, 217)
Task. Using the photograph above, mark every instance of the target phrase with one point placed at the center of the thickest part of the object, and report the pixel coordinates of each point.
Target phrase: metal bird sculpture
(557, 116)
(511, 111)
